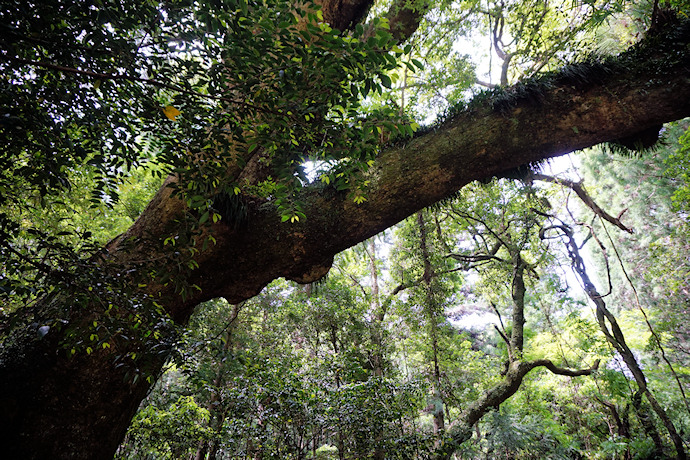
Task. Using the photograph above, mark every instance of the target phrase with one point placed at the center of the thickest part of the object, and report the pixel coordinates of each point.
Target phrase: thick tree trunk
(53, 405)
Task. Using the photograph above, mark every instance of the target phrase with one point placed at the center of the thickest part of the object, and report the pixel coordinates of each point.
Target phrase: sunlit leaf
(171, 112)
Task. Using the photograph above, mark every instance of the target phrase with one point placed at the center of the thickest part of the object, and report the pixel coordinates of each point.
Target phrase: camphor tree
(227, 101)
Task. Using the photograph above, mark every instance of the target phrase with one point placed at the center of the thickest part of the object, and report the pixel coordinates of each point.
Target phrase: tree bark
(517, 292)
(53, 405)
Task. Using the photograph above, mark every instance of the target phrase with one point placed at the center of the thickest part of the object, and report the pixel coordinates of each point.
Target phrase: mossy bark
(56, 406)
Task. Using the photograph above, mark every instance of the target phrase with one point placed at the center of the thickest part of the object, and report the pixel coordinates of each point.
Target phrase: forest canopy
(190, 193)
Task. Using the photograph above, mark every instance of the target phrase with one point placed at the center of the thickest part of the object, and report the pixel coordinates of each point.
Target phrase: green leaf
(385, 80)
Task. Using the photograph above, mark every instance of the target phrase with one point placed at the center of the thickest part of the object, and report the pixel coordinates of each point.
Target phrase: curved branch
(614, 335)
(473, 258)
(461, 429)
(480, 142)
(565, 371)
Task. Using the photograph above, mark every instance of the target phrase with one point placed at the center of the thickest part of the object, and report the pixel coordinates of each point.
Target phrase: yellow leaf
(171, 112)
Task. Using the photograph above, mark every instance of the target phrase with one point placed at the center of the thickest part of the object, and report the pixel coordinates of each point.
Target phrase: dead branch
(586, 199)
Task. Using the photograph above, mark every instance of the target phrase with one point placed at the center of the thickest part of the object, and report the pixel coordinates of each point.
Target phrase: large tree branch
(577, 108)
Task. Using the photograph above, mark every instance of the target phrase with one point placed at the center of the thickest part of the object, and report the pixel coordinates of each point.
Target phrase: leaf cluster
(91, 93)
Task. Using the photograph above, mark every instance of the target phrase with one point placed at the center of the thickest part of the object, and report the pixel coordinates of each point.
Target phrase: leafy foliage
(93, 96)
(243, 100)
(157, 431)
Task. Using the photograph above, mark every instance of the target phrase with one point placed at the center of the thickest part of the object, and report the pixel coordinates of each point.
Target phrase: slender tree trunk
(461, 429)
(431, 308)
(376, 338)
(379, 312)
(621, 422)
(215, 405)
(647, 421)
(517, 337)
(615, 337)
(340, 440)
